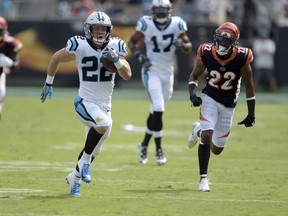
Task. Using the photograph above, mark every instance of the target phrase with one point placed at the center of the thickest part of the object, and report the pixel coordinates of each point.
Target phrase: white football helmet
(98, 18)
(161, 10)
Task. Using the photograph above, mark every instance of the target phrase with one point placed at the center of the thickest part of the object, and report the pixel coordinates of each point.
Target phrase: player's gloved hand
(195, 100)
(111, 55)
(178, 42)
(249, 121)
(144, 61)
(47, 90)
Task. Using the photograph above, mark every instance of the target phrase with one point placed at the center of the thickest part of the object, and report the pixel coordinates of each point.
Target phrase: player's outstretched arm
(183, 43)
(193, 83)
(246, 73)
(58, 57)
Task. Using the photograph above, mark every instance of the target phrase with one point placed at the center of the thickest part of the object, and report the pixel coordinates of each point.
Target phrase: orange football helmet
(226, 37)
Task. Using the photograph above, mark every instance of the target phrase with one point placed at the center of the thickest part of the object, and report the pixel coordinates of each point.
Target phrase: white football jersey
(159, 42)
(95, 82)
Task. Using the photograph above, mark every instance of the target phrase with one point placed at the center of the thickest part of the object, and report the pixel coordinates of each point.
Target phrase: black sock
(146, 140)
(157, 125)
(158, 143)
(203, 158)
(92, 140)
(147, 136)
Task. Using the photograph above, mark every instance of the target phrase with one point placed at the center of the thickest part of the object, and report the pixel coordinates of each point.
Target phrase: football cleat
(160, 157)
(193, 139)
(142, 154)
(204, 184)
(85, 173)
(74, 186)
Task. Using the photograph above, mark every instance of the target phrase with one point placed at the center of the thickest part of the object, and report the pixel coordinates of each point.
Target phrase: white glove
(5, 61)
(111, 55)
(178, 42)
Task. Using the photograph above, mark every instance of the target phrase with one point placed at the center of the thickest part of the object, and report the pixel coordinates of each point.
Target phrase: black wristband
(192, 89)
(251, 107)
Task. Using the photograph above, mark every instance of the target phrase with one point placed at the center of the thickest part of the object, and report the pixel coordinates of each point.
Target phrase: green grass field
(39, 145)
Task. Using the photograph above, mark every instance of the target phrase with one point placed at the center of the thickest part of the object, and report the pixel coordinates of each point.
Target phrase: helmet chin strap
(161, 20)
(222, 50)
(97, 41)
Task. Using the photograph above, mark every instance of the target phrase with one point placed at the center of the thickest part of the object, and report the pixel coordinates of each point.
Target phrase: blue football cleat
(74, 186)
(85, 173)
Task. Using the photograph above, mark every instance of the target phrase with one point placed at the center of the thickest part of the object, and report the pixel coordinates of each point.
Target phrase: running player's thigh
(223, 127)
(208, 113)
(2, 86)
(154, 89)
(167, 83)
(91, 115)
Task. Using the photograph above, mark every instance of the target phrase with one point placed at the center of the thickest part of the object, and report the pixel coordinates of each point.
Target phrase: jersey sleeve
(141, 24)
(72, 45)
(119, 45)
(182, 25)
(200, 52)
(249, 56)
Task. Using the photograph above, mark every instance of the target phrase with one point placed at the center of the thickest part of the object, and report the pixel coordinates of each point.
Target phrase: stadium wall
(42, 39)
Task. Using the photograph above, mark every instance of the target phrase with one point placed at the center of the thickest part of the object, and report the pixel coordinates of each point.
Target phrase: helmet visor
(225, 41)
(160, 12)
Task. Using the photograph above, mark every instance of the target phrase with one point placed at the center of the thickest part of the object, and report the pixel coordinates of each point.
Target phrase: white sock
(85, 159)
(77, 175)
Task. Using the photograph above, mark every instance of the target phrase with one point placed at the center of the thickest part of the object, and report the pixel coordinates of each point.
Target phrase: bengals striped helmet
(226, 37)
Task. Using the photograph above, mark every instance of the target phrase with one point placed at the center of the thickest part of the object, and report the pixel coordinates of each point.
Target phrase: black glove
(195, 100)
(249, 121)
(144, 61)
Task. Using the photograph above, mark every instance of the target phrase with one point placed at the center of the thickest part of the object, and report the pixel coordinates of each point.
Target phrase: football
(109, 65)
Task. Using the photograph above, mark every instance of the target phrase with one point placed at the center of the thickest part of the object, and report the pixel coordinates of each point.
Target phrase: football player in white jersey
(161, 33)
(93, 103)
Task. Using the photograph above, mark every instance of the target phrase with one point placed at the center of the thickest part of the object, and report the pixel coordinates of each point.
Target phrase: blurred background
(44, 26)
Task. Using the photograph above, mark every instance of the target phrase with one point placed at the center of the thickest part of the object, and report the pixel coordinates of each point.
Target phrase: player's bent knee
(102, 129)
(206, 136)
(216, 150)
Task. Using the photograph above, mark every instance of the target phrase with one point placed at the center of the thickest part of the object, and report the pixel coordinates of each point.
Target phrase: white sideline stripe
(137, 129)
(199, 199)
(11, 197)
(17, 190)
(15, 166)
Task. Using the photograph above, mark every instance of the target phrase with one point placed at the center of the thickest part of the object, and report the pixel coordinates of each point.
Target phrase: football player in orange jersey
(227, 64)
(9, 59)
